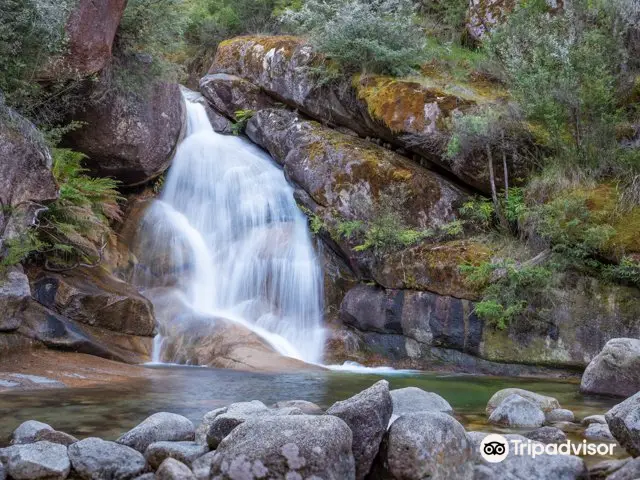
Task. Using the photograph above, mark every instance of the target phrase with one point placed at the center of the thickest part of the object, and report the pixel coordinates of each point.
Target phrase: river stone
(172, 469)
(624, 423)
(186, 452)
(559, 415)
(543, 467)
(202, 466)
(414, 400)
(596, 432)
(28, 431)
(222, 423)
(308, 408)
(517, 412)
(545, 403)
(547, 435)
(159, 427)
(146, 476)
(615, 370)
(40, 460)
(602, 470)
(586, 421)
(629, 471)
(425, 445)
(14, 295)
(55, 436)
(93, 458)
(367, 414)
(568, 427)
(3, 473)
(294, 446)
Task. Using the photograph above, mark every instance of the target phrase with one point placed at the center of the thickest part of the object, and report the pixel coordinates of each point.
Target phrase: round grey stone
(93, 458)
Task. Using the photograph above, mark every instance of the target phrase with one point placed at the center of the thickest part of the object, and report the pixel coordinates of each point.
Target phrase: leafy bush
(242, 118)
(379, 36)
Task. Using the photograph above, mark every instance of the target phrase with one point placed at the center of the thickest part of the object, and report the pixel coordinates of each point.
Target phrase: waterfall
(225, 239)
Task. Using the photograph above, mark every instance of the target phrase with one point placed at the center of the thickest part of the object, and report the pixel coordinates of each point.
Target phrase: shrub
(379, 36)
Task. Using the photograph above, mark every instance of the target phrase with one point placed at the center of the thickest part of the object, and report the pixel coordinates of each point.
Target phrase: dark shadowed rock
(624, 423)
(424, 445)
(55, 436)
(228, 94)
(367, 414)
(40, 460)
(615, 370)
(294, 446)
(308, 408)
(172, 469)
(559, 415)
(547, 404)
(28, 431)
(159, 427)
(186, 452)
(517, 412)
(14, 297)
(96, 298)
(547, 435)
(131, 137)
(414, 400)
(629, 471)
(93, 458)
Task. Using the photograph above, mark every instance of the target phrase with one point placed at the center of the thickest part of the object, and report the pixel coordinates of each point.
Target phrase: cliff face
(411, 306)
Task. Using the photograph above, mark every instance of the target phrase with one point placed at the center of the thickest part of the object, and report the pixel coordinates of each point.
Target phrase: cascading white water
(237, 245)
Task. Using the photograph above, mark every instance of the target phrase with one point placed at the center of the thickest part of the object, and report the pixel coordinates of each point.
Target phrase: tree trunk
(494, 191)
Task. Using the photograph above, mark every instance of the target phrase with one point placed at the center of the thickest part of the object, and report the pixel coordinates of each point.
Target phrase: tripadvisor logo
(495, 448)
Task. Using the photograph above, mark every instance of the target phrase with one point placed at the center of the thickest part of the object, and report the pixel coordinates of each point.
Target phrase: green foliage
(349, 228)
(445, 18)
(379, 36)
(242, 118)
(316, 224)
(627, 271)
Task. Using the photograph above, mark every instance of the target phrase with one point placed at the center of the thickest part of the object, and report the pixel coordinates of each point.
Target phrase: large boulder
(228, 94)
(629, 471)
(624, 423)
(93, 458)
(131, 136)
(34, 461)
(159, 427)
(367, 414)
(90, 30)
(295, 446)
(14, 297)
(424, 445)
(547, 404)
(408, 113)
(26, 181)
(94, 297)
(414, 400)
(615, 370)
(517, 412)
(27, 432)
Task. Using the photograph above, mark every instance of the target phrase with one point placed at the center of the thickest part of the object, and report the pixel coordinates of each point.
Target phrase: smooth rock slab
(624, 423)
(172, 469)
(159, 427)
(547, 404)
(367, 414)
(547, 435)
(28, 431)
(414, 400)
(293, 446)
(597, 432)
(559, 415)
(517, 412)
(40, 460)
(424, 445)
(93, 458)
(185, 452)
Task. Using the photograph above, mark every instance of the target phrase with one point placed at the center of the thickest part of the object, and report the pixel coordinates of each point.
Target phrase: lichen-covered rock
(367, 414)
(517, 412)
(294, 446)
(547, 404)
(615, 370)
(90, 31)
(14, 297)
(547, 435)
(93, 458)
(34, 461)
(228, 94)
(415, 400)
(185, 452)
(172, 469)
(96, 298)
(425, 445)
(159, 427)
(131, 137)
(28, 431)
(624, 423)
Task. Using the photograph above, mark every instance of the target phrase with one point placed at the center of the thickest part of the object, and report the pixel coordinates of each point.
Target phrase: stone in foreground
(414, 400)
(28, 431)
(185, 452)
(517, 412)
(172, 469)
(308, 408)
(543, 467)
(424, 445)
(93, 458)
(630, 471)
(159, 427)
(624, 423)
(615, 370)
(367, 414)
(294, 446)
(40, 460)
